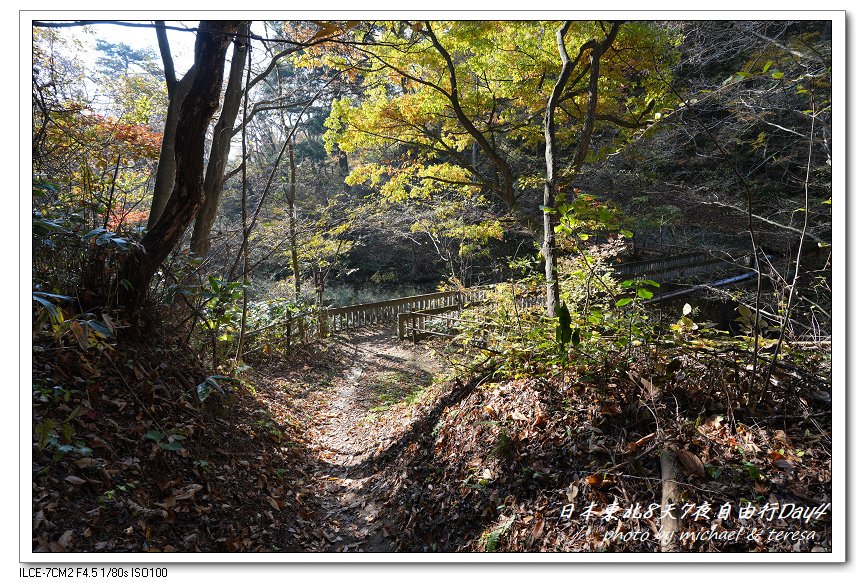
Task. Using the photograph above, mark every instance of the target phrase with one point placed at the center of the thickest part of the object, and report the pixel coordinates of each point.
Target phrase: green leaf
(170, 446)
(55, 296)
(626, 233)
(645, 294)
(99, 328)
(777, 75)
(52, 309)
(44, 431)
(75, 412)
(207, 387)
(623, 302)
(94, 233)
(563, 330)
(564, 315)
(155, 435)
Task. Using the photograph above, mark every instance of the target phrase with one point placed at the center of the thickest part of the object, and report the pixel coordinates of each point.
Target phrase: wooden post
(319, 288)
(671, 474)
(287, 330)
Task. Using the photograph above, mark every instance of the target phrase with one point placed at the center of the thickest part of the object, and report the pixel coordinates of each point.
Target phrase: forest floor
(366, 444)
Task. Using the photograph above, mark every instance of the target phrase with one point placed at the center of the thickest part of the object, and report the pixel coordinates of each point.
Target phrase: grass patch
(398, 388)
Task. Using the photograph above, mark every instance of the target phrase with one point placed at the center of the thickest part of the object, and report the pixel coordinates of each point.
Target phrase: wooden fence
(412, 313)
(678, 265)
(315, 324)
(416, 324)
(408, 313)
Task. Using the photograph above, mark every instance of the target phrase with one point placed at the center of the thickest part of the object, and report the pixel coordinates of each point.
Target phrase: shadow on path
(354, 445)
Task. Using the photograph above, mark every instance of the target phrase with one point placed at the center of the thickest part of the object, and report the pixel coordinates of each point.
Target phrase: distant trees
(100, 150)
(464, 132)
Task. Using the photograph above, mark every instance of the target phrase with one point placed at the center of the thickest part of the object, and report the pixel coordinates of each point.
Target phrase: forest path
(359, 419)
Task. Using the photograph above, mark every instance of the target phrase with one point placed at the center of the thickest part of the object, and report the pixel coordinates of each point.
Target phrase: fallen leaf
(75, 480)
(537, 529)
(692, 465)
(643, 440)
(188, 492)
(594, 480)
(784, 465)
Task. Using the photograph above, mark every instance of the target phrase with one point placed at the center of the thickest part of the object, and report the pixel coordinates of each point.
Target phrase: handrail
(389, 303)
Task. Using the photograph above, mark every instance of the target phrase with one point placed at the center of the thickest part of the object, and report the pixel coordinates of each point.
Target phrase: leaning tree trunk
(166, 169)
(219, 151)
(196, 111)
(177, 91)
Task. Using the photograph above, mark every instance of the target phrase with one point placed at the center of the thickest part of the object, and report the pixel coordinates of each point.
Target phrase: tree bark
(671, 475)
(195, 113)
(292, 221)
(597, 51)
(243, 202)
(221, 147)
(551, 187)
(177, 90)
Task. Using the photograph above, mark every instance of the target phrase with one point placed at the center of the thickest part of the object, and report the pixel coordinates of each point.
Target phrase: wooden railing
(315, 324)
(679, 265)
(408, 313)
(411, 313)
(361, 315)
(415, 325)
(661, 263)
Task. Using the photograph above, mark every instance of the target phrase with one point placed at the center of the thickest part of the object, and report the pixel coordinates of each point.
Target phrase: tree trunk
(548, 249)
(177, 90)
(671, 475)
(292, 221)
(551, 186)
(243, 202)
(221, 147)
(196, 111)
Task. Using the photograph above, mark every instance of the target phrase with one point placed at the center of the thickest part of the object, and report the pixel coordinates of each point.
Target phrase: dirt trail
(381, 372)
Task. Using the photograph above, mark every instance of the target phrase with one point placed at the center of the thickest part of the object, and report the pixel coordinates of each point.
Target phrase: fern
(491, 539)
